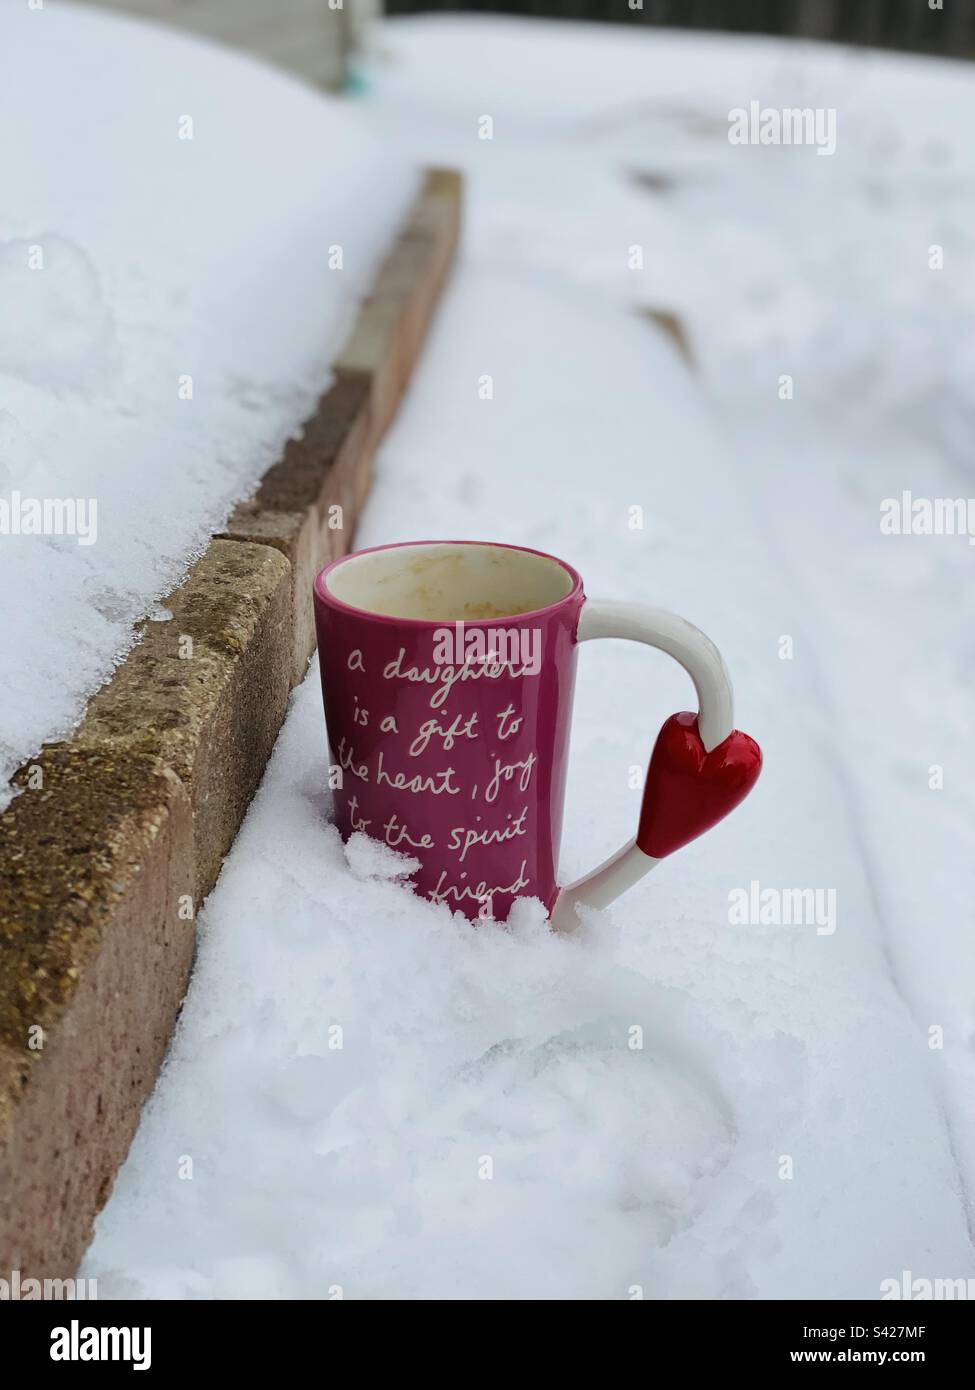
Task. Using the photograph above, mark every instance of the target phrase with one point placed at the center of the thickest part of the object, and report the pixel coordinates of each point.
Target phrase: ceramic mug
(447, 675)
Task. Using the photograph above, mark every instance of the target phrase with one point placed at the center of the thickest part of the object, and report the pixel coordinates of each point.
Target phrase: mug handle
(682, 772)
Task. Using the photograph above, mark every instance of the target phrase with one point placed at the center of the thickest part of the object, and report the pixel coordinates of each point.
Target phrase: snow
(368, 858)
(369, 1098)
(163, 258)
(380, 1100)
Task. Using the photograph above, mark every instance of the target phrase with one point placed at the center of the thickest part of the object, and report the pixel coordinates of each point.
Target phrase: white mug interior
(449, 581)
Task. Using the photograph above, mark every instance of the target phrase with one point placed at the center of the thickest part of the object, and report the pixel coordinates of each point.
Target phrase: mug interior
(449, 581)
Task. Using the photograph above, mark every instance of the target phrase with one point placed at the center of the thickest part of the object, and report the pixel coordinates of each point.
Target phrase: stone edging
(120, 832)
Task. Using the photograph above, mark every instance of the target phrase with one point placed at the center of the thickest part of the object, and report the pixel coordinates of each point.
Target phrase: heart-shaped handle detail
(689, 789)
(701, 766)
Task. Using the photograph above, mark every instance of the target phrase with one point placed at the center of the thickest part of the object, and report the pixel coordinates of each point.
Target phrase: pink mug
(447, 675)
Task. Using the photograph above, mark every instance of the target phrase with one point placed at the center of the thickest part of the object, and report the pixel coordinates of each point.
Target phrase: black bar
(736, 1338)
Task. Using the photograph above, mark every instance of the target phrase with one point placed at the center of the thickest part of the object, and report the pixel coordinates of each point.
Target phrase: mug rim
(324, 595)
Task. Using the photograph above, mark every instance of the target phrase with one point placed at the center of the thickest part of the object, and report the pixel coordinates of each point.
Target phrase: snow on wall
(309, 37)
(166, 216)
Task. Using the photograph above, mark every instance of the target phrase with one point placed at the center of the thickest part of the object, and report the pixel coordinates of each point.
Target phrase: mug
(447, 674)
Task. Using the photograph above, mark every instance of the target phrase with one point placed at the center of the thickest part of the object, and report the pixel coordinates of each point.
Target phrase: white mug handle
(702, 661)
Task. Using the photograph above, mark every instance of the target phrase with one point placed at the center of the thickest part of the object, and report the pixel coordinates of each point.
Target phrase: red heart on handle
(688, 789)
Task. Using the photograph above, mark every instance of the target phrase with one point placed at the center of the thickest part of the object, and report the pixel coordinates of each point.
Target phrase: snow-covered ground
(167, 317)
(349, 1056)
